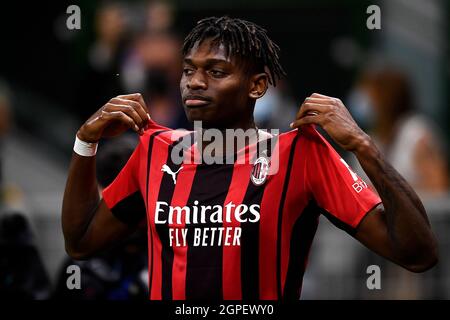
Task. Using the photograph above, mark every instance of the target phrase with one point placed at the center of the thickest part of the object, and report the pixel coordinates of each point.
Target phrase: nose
(197, 81)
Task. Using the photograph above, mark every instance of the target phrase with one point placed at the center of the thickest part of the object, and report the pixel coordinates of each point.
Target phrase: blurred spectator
(152, 66)
(161, 64)
(22, 273)
(126, 58)
(109, 28)
(383, 103)
(104, 59)
(160, 17)
(120, 272)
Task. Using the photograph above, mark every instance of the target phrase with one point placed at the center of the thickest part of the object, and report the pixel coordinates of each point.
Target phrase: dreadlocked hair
(239, 37)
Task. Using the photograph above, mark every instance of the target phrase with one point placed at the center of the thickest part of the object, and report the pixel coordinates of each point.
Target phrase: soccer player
(239, 230)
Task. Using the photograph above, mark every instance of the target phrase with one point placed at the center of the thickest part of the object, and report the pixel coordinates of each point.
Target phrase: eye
(188, 71)
(217, 73)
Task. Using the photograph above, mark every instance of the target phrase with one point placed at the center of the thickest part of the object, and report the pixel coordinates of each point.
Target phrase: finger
(136, 97)
(311, 113)
(128, 110)
(308, 108)
(122, 117)
(136, 105)
(311, 100)
(332, 100)
(304, 121)
(318, 95)
(317, 100)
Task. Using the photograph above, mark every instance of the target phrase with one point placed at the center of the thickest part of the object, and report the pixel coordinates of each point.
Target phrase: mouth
(195, 101)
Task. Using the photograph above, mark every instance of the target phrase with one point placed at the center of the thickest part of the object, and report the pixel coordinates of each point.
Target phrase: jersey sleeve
(123, 196)
(336, 188)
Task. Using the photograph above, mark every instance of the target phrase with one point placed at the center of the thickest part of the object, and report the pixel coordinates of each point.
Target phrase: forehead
(208, 49)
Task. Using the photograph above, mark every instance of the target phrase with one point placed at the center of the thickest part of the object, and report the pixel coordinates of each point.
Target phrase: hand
(332, 115)
(115, 117)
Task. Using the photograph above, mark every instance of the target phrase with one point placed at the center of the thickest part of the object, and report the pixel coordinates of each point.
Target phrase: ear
(258, 85)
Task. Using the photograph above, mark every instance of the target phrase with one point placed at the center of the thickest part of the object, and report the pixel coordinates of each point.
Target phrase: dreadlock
(239, 37)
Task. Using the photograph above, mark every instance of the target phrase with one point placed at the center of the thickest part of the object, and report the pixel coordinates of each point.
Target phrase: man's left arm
(399, 230)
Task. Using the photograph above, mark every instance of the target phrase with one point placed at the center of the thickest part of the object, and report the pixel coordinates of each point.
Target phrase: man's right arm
(88, 224)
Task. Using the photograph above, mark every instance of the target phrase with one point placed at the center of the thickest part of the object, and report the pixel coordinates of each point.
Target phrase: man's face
(215, 89)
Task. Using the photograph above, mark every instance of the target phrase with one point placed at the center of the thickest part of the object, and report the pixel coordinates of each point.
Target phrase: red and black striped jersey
(239, 230)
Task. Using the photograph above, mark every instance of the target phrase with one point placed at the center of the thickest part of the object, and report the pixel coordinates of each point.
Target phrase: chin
(200, 115)
(195, 117)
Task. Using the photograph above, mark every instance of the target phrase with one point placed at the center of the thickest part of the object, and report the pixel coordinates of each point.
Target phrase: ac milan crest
(260, 171)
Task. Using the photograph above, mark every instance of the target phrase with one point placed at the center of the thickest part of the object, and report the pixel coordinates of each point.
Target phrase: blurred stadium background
(52, 79)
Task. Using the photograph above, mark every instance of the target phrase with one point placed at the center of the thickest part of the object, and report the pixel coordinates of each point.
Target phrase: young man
(238, 230)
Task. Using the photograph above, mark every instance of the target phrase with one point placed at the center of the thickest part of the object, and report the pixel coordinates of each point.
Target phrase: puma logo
(165, 168)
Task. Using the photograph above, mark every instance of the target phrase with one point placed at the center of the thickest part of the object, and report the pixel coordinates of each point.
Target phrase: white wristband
(85, 149)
